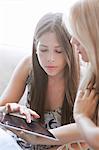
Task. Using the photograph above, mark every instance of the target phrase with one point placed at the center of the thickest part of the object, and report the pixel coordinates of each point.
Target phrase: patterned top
(52, 120)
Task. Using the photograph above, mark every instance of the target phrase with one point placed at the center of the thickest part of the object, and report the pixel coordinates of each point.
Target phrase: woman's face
(80, 49)
(51, 54)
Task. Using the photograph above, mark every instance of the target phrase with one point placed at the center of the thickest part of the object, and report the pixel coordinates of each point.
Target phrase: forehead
(48, 37)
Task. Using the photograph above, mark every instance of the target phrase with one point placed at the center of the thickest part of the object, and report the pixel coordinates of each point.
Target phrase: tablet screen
(20, 123)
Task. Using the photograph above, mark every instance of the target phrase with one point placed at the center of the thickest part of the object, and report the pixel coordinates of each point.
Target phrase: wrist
(79, 117)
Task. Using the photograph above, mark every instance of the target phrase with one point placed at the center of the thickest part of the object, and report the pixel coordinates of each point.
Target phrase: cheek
(83, 52)
(41, 59)
(84, 55)
(62, 62)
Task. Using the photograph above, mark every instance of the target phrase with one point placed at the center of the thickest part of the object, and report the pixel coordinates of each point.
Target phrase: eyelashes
(46, 50)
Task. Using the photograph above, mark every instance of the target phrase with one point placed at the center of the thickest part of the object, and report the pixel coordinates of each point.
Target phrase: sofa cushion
(9, 58)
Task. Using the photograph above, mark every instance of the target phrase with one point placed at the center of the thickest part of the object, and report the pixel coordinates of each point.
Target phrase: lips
(51, 67)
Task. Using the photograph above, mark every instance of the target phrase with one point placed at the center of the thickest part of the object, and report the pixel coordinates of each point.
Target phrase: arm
(16, 86)
(84, 108)
(65, 134)
(89, 131)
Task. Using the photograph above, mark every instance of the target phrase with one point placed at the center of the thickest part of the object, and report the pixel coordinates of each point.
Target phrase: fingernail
(38, 116)
(29, 120)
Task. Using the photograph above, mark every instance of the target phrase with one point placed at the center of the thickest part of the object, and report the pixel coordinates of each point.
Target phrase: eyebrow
(43, 45)
(58, 46)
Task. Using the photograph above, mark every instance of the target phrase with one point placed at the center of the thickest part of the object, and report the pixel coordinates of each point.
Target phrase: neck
(55, 79)
(55, 93)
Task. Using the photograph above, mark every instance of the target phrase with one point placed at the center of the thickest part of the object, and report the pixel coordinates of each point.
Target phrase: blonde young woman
(84, 27)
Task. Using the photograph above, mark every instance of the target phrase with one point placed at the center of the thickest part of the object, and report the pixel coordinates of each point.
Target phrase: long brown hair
(52, 22)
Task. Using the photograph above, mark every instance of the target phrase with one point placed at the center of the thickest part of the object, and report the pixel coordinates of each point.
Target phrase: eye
(43, 50)
(59, 50)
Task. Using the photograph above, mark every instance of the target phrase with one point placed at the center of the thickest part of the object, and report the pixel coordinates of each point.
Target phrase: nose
(51, 57)
(73, 41)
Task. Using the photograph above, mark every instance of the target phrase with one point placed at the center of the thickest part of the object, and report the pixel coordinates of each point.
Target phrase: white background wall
(19, 17)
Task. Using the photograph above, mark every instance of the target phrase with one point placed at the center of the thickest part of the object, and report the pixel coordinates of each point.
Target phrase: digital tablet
(11, 121)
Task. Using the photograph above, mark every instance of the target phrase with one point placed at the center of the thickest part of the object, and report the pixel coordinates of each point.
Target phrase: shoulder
(26, 63)
(23, 68)
(27, 60)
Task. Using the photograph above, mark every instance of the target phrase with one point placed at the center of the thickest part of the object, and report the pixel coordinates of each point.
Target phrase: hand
(78, 145)
(74, 146)
(85, 103)
(23, 110)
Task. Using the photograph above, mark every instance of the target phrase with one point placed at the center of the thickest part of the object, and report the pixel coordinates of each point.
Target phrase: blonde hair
(84, 26)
